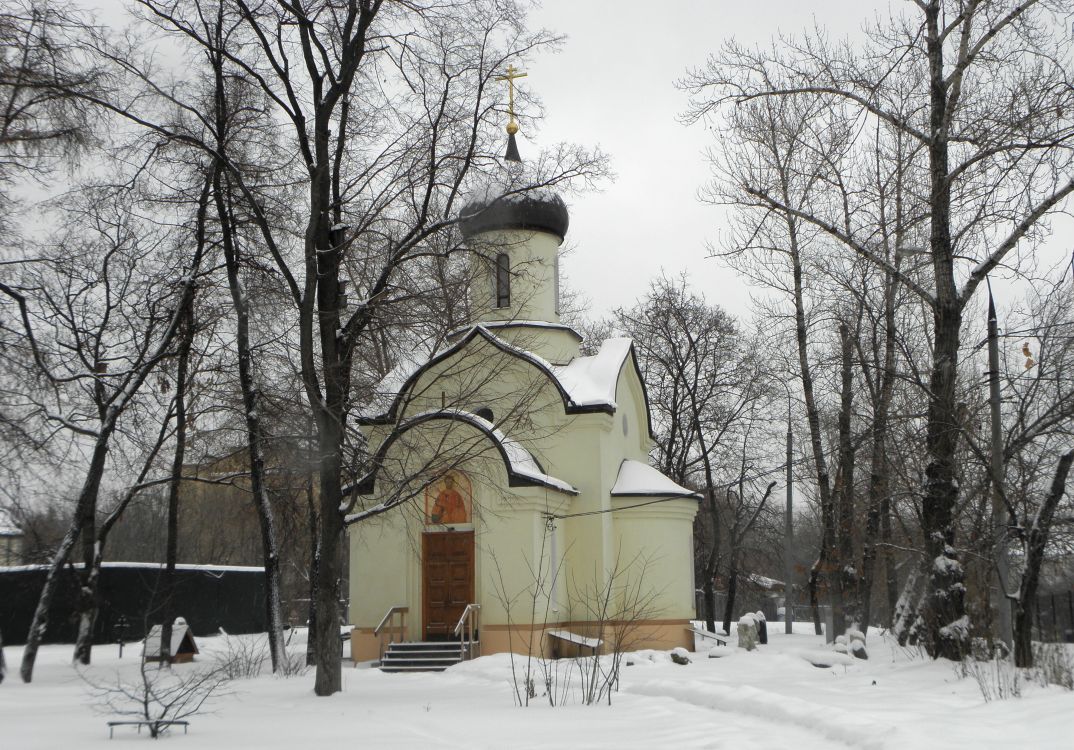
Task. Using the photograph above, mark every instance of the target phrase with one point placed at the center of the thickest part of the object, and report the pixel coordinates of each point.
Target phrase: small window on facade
(503, 280)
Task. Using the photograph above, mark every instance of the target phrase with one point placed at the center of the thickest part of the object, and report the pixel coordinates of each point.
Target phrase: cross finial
(510, 76)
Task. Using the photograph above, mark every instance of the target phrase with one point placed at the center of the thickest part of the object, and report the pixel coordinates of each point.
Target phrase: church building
(512, 501)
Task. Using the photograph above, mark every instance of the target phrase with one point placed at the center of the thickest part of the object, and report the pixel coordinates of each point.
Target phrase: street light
(122, 627)
(788, 528)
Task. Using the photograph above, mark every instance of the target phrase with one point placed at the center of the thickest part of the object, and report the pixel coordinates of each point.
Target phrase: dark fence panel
(210, 598)
(1054, 617)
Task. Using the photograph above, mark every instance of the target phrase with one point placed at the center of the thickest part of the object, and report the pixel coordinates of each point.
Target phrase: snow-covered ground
(770, 698)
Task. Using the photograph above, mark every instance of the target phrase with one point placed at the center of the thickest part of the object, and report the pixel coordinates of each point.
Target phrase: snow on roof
(119, 564)
(520, 462)
(10, 531)
(764, 582)
(586, 381)
(591, 381)
(385, 392)
(507, 184)
(636, 478)
(179, 631)
(494, 324)
(581, 640)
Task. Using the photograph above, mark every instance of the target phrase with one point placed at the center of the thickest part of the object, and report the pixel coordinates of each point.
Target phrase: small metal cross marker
(510, 76)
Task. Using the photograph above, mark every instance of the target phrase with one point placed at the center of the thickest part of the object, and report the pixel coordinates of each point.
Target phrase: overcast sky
(612, 85)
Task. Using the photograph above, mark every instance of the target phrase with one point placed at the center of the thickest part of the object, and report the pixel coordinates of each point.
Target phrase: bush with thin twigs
(245, 657)
(613, 609)
(1053, 664)
(999, 679)
(160, 695)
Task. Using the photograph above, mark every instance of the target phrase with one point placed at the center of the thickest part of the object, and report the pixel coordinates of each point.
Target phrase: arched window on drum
(503, 280)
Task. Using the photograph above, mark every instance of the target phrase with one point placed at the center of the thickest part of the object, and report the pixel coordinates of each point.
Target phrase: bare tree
(982, 88)
(160, 698)
(705, 385)
(389, 109)
(98, 319)
(40, 130)
(40, 120)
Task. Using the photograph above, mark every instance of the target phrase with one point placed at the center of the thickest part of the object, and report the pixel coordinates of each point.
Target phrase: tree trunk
(732, 588)
(709, 591)
(713, 561)
(323, 253)
(814, 584)
(315, 556)
(327, 645)
(891, 574)
(255, 438)
(167, 584)
(946, 627)
(87, 590)
(846, 577)
(87, 498)
(820, 464)
(879, 503)
(1036, 542)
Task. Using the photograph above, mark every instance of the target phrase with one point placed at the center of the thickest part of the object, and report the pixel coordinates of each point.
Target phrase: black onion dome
(539, 212)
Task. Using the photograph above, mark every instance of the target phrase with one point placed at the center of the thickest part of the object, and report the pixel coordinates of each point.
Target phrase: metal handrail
(399, 609)
(469, 619)
(389, 617)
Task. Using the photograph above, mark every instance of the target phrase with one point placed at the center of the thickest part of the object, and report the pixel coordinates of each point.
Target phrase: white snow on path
(744, 700)
(766, 699)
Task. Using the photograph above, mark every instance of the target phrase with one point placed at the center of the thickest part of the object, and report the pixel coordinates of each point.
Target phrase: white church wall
(657, 540)
(533, 268)
(526, 405)
(515, 557)
(654, 538)
(381, 568)
(577, 454)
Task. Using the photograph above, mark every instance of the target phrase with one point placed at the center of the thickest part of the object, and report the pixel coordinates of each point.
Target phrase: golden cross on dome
(511, 75)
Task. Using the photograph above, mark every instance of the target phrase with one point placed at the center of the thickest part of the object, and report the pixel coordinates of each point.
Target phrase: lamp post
(788, 528)
(999, 506)
(121, 629)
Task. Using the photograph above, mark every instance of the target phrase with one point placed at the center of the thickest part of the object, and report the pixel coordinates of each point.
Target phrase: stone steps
(422, 656)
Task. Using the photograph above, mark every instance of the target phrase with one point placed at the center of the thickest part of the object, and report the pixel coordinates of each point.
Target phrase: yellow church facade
(511, 495)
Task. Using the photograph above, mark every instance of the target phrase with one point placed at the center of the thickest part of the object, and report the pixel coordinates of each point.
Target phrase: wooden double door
(447, 581)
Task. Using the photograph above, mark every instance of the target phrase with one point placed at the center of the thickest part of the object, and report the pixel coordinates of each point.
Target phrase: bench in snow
(720, 639)
(576, 639)
(160, 724)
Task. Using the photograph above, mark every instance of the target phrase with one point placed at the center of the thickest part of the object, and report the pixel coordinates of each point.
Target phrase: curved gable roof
(523, 470)
(585, 384)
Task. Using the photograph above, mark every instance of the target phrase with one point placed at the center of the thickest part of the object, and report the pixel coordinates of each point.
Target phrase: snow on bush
(680, 656)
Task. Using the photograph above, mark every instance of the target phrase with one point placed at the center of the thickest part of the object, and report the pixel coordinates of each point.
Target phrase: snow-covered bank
(769, 698)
